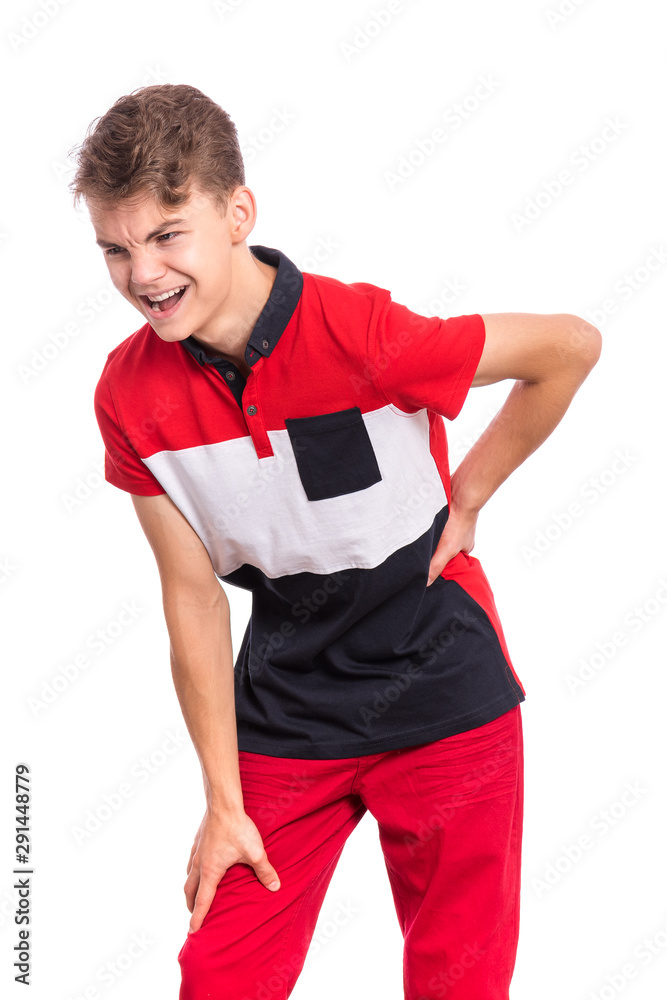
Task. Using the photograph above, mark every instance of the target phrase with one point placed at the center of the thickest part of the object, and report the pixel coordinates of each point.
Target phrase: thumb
(267, 874)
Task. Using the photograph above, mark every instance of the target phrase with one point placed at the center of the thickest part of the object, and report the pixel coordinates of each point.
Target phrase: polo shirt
(321, 485)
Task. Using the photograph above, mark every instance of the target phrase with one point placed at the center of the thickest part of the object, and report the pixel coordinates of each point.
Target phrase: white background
(360, 97)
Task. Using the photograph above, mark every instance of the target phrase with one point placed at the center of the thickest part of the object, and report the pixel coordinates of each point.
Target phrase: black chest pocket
(334, 454)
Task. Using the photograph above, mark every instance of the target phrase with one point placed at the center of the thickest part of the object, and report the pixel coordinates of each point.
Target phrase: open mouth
(165, 304)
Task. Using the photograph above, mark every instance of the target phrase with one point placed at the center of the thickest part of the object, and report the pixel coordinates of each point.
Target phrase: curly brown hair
(159, 140)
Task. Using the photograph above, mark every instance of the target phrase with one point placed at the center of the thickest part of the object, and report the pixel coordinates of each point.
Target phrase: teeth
(166, 295)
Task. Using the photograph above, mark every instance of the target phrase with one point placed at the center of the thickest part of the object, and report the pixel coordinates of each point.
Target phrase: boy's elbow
(587, 341)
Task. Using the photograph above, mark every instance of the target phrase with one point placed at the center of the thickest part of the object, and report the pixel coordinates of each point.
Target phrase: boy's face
(188, 251)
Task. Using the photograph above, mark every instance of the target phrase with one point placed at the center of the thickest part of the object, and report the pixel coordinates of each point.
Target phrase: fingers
(199, 898)
(434, 572)
(203, 877)
(441, 557)
(190, 888)
(458, 536)
(202, 901)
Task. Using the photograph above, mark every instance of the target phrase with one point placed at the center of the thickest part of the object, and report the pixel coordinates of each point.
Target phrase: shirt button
(265, 343)
(251, 409)
(230, 375)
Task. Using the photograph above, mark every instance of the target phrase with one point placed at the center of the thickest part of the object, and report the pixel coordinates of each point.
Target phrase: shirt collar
(275, 315)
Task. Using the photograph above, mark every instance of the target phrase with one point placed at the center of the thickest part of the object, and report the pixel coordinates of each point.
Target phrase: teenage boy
(283, 432)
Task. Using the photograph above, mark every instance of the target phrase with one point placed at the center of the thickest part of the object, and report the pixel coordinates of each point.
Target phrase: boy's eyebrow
(169, 224)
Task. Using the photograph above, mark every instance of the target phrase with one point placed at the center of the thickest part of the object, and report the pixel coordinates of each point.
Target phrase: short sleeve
(427, 362)
(122, 465)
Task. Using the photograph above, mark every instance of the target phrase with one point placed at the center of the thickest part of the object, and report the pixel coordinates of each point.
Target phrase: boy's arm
(549, 356)
(196, 612)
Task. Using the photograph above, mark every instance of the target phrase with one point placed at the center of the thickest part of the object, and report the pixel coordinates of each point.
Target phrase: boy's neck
(252, 281)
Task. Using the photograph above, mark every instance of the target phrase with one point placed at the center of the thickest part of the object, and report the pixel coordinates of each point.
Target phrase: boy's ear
(242, 212)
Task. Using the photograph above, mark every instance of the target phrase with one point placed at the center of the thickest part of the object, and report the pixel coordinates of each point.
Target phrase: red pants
(450, 818)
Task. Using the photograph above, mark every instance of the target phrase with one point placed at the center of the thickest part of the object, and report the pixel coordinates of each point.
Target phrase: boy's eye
(114, 251)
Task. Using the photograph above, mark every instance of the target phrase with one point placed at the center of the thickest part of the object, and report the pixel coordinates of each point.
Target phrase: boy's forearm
(203, 673)
(530, 413)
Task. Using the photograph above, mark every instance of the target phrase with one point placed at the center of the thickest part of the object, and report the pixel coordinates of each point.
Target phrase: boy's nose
(147, 270)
